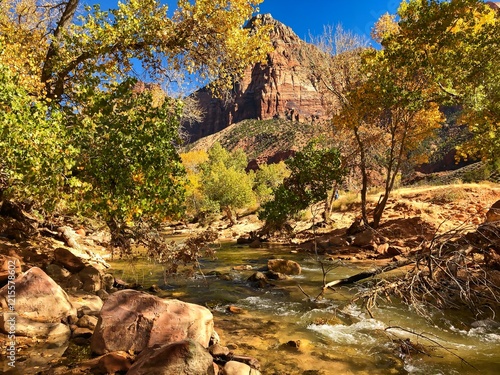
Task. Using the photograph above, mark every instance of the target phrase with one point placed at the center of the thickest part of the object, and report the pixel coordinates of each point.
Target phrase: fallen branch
(421, 335)
(366, 274)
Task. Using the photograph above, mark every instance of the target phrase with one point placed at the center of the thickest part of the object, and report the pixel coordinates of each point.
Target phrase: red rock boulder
(185, 357)
(133, 321)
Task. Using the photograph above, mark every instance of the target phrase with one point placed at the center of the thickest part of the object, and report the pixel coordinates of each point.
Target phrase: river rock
(337, 241)
(86, 304)
(218, 350)
(39, 298)
(109, 363)
(40, 308)
(87, 321)
(91, 278)
(57, 273)
(133, 321)
(243, 267)
(108, 282)
(56, 333)
(238, 368)
(82, 332)
(271, 275)
(67, 259)
(287, 267)
(255, 244)
(186, 357)
(259, 280)
(73, 283)
(365, 239)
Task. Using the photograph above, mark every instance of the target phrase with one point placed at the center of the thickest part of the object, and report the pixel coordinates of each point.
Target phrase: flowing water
(288, 334)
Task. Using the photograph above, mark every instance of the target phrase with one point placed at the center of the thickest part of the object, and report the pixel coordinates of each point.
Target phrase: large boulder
(186, 357)
(365, 239)
(67, 259)
(133, 321)
(287, 267)
(41, 306)
(91, 278)
(38, 298)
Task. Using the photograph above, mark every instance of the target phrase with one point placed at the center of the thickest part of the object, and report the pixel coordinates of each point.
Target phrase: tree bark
(364, 177)
(230, 216)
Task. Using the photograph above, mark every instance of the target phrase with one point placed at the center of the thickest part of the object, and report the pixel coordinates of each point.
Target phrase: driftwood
(366, 274)
(68, 235)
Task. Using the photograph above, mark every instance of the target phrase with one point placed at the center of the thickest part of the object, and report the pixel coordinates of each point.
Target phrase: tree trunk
(230, 216)
(53, 85)
(329, 204)
(364, 178)
(379, 209)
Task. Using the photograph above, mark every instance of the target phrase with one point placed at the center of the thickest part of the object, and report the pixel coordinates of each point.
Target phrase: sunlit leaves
(225, 181)
(129, 156)
(454, 44)
(312, 173)
(37, 153)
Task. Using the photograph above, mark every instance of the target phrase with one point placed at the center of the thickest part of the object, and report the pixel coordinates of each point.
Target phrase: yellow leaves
(385, 27)
(476, 23)
(193, 159)
(138, 178)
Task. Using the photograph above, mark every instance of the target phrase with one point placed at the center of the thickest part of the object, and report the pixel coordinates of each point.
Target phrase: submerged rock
(133, 321)
(259, 280)
(287, 267)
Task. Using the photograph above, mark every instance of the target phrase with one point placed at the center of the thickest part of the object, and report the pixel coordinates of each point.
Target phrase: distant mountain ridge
(283, 88)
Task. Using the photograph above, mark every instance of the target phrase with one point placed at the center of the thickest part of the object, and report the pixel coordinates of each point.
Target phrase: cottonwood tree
(454, 45)
(72, 70)
(393, 109)
(224, 181)
(66, 48)
(336, 66)
(313, 170)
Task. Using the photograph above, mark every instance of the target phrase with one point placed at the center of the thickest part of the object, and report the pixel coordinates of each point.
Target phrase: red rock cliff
(283, 88)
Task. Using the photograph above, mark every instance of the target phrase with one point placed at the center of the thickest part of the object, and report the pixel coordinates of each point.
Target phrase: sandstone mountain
(283, 88)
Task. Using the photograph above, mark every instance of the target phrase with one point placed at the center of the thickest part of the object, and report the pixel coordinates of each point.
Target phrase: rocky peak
(279, 32)
(282, 88)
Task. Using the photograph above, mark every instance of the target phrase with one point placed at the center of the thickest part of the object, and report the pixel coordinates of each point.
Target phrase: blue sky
(309, 16)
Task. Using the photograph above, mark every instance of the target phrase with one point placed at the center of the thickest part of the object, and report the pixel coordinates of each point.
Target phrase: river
(291, 335)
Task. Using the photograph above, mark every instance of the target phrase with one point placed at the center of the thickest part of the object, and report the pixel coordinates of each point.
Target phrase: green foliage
(224, 182)
(77, 132)
(267, 178)
(37, 153)
(272, 135)
(312, 174)
(129, 164)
